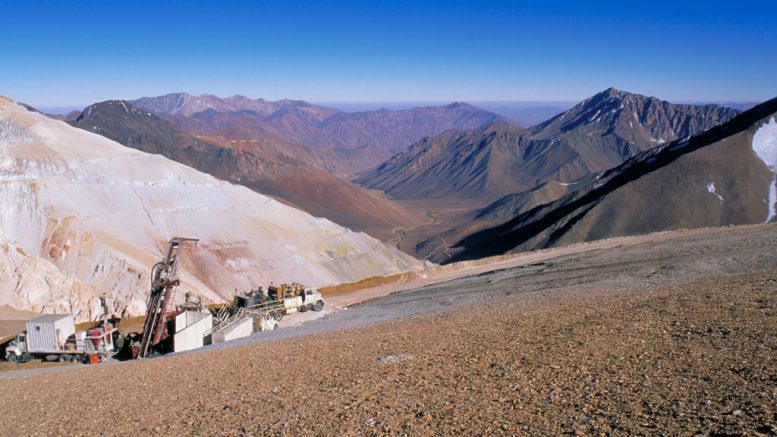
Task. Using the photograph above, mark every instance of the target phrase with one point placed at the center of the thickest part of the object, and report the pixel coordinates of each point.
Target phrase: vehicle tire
(12, 358)
(63, 358)
(318, 306)
(303, 308)
(278, 316)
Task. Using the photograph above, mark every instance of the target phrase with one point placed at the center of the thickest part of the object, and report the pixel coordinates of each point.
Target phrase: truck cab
(17, 348)
(312, 300)
(305, 299)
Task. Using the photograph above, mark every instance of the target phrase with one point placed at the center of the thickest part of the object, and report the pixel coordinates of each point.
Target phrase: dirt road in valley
(673, 333)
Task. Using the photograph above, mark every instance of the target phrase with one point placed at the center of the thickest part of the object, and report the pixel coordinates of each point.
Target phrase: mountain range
(501, 159)
(344, 142)
(464, 179)
(518, 169)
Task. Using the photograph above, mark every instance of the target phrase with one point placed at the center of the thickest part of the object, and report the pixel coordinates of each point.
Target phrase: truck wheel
(12, 358)
(63, 358)
(318, 306)
(278, 316)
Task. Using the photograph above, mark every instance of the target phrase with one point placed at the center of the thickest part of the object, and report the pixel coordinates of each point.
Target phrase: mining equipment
(159, 304)
(53, 336)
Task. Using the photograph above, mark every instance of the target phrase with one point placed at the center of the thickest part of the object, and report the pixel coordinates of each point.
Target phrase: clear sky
(63, 53)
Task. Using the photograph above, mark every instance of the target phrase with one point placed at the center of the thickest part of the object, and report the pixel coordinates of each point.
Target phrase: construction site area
(166, 327)
(675, 330)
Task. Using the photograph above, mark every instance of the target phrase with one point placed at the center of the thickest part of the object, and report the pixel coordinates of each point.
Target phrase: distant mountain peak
(613, 92)
(110, 108)
(458, 104)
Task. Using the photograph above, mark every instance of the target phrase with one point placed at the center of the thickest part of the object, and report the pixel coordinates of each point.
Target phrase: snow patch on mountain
(765, 143)
(711, 189)
(772, 200)
(765, 147)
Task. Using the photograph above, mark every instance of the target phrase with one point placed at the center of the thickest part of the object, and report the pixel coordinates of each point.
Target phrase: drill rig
(159, 304)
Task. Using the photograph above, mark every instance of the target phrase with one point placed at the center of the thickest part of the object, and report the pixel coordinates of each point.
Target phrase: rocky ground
(674, 337)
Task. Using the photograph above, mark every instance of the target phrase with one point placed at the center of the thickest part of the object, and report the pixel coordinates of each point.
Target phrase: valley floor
(674, 333)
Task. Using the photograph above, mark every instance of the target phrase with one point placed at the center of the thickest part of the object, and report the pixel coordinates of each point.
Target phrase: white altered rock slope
(83, 216)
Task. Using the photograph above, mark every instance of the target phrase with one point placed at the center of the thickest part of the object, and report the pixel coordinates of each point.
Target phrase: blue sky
(75, 53)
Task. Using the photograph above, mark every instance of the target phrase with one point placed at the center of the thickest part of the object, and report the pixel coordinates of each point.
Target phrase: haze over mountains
(84, 216)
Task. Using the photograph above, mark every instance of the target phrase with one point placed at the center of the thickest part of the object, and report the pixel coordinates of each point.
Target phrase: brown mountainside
(264, 166)
(348, 142)
(716, 178)
(500, 159)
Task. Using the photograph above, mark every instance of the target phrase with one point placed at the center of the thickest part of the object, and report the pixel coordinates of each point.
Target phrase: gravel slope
(675, 337)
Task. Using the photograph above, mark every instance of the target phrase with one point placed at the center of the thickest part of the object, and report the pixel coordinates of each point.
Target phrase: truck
(289, 298)
(53, 337)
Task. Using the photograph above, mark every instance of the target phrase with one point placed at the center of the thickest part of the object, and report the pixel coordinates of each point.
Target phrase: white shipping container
(49, 332)
(242, 328)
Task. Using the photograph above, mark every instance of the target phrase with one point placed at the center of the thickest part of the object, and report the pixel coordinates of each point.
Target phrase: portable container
(49, 332)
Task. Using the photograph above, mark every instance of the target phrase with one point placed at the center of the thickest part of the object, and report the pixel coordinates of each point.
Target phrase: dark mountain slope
(712, 179)
(454, 164)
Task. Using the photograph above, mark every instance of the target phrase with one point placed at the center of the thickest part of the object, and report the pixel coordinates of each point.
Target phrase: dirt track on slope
(674, 335)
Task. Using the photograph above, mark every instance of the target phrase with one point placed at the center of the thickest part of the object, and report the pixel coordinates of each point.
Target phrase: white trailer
(49, 332)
